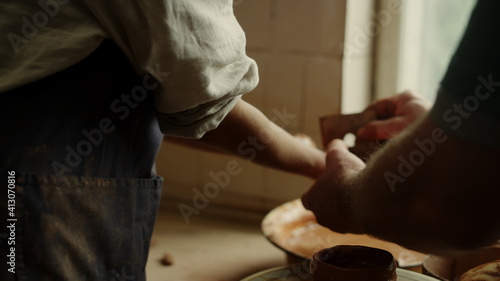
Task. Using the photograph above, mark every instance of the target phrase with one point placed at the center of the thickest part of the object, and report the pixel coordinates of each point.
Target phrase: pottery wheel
(294, 229)
(298, 272)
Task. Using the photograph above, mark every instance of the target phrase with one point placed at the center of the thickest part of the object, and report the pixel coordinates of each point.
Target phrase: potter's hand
(394, 114)
(307, 140)
(329, 197)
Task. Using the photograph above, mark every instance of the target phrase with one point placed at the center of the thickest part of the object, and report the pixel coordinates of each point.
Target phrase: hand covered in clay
(329, 197)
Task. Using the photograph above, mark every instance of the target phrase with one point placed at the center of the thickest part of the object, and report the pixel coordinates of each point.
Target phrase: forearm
(429, 191)
(248, 133)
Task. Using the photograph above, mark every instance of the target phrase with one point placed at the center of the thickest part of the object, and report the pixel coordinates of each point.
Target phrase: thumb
(335, 149)
(382, 129)
(337, 144)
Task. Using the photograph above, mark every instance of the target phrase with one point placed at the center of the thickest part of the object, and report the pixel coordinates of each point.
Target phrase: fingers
(336, 150)
(337, 144)
(383, 108)
(382, 129)
(307, 140)
(325, 198)
(395, 113)
(341, 162)
(387, 107)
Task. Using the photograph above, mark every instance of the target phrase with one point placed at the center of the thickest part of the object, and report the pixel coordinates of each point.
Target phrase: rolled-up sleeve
(195, 49)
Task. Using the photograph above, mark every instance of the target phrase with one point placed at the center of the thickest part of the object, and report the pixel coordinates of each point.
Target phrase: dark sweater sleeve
(468, 104)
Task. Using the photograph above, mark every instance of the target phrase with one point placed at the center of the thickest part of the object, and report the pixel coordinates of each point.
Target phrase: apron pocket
(77, 228)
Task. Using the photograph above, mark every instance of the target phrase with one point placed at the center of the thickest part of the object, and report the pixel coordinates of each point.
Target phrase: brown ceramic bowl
(451, 268)
(294, 229)
(352, 263)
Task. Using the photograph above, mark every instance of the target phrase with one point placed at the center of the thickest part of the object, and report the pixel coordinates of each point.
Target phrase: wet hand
(329, 197)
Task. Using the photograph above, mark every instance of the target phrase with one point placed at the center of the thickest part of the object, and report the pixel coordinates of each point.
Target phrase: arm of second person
(247, 133)
(426, 190)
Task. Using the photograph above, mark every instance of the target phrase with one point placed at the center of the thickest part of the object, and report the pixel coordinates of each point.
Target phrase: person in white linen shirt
(88, 90)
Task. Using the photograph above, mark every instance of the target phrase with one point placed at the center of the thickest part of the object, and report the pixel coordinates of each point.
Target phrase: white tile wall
(285, 77)
(179, 165)
(323, 90)
(362, 26)
(309, 26)
(298, 47)
(356, 86)
(255, 16)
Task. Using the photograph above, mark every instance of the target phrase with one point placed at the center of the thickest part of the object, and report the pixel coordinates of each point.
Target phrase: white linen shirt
(194, 48)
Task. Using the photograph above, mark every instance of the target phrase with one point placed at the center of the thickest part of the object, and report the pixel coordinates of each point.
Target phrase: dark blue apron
(82, 144)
